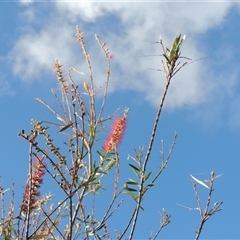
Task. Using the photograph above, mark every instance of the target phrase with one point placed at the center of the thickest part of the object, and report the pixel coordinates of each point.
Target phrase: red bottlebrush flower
(34, 182)
(116, 134)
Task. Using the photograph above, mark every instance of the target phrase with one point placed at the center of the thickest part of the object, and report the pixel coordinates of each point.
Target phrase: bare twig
(164, 221)
(108, 78)
(206, 214)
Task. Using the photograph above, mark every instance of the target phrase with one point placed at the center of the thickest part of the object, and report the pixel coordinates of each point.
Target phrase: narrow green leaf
(135, 170)
(131, 189)
(142, 208)
(133, 183)
(148, 186)
(136, 197)
(132, 180)
(133, 195)
(147, 176)
(95, 170)
(167, 58)
(133, 167)
(100, 154)
(65, 127)
(176, 46)
(181, 42)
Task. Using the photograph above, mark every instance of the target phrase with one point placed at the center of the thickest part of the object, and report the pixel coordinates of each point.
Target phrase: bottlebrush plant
(79, 167)
(33, 184)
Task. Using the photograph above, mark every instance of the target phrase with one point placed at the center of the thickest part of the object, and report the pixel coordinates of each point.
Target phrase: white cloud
(34, 52)
(129, 24)
(29, 15)
(24, 2)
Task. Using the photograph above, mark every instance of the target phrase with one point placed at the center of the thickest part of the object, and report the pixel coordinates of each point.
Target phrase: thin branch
(107, 81)
(62, 106)
(53, 224)
(136, 212)
(164, 163)
(170, 69)
(206, 214)
(58, 116)
(164, 221)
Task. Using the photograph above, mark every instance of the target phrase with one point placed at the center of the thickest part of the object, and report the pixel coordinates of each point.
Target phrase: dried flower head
(64, 85)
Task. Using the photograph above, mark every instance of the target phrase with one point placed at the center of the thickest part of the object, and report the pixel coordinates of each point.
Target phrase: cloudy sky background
(203, 103)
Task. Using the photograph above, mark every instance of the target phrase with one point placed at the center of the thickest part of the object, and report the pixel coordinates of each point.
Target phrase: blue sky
(203, 104)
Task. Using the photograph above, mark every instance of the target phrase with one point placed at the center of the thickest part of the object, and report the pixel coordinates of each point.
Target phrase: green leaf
(133, 195)
(176, 46)
(167, 59)
(132, 166)
(132, 182)
(135, 170)
(65, 127)
(148, 186)
(95, 170)
(147, 176)
(100, 154)
(131, 189)
(141, 208)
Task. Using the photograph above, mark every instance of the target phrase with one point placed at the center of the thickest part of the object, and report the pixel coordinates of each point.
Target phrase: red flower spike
(38, 170)
(116, 134)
